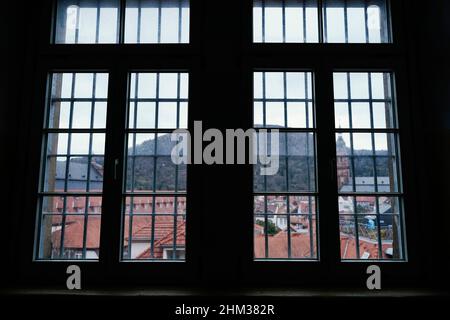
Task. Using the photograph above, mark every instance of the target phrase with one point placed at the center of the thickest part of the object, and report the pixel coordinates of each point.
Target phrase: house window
(368, 167)
(145, 21)
(311, 21)
(285, 203)
(179, 254)
(72, 165)
(157, 105)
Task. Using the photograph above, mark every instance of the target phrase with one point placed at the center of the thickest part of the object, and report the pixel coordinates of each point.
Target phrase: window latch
(116, 164)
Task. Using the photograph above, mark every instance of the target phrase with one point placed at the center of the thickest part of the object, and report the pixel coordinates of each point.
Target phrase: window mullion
(326, 176)
(113, 177)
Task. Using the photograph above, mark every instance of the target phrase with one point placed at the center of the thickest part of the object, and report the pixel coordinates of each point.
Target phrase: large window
(285, 202)
(369, 181)
(70, 197)
(111, 195)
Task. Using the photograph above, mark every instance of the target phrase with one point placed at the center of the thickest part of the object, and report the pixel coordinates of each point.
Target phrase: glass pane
(154, 237)
(50, 236)
(294, 21)
(296, 165)
(141, 144)
(155, 21)
(348, 237)
(81, 115)
(87, 21)
(69, 237)
(57, 143)
(68, 111)
(140, 174)
(356, 21)
(59, 115)
(370, 102)
(73, 167)
(100, 115)
(285, 227)
(283, 99)
(335, 21)
(155, 206)
(368, 168)
(160, 101)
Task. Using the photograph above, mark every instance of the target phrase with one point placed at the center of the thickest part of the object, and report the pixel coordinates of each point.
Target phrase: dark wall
(432, 47)
(19, 23)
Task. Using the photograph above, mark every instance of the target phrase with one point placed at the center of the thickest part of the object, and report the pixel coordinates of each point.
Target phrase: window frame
(202, 58)
(118, 60)
(323, 59)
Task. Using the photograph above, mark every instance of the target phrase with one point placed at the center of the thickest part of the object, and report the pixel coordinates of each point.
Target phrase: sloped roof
(73, 232)
(78, 171)
(278, 246)
(348, 247)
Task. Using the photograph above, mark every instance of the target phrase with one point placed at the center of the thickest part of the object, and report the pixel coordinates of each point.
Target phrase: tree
(272, 229)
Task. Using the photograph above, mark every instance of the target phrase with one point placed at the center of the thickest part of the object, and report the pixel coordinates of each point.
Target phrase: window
(155, 188)
(285, 203)
(285, 21)
(146, 21)
(156, 21)
(368, 167)
(341, 21)
(356, 21)
(87, 21)
(111, 197)
(70, 197)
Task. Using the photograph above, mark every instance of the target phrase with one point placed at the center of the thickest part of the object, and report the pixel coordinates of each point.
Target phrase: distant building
(82, 221)
(78, 175)
(342, 162)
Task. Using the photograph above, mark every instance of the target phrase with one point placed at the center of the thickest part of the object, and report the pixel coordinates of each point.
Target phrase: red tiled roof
(348, 247)
(167, 241)
(278, 245)
(73, 233)
(141, 230)
(142, 227)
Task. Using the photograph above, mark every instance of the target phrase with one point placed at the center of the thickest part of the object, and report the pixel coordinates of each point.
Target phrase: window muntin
(285, 223)
(368, 167)
(156, 21)
(154, 226)
(146, 21)
(343, 21)
(70, 195)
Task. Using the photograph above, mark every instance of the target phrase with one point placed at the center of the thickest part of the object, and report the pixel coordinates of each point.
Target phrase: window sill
(160, 292)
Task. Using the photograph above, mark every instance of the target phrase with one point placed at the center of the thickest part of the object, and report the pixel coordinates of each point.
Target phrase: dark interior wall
(432, 25)
(428, 29)
(19, 22)
(5, 47)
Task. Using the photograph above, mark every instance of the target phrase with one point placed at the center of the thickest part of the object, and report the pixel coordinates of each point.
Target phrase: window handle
(116, 164)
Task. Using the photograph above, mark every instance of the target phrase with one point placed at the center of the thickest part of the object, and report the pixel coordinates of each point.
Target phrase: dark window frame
(323, 59)
(206, 57)
(118, 60)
